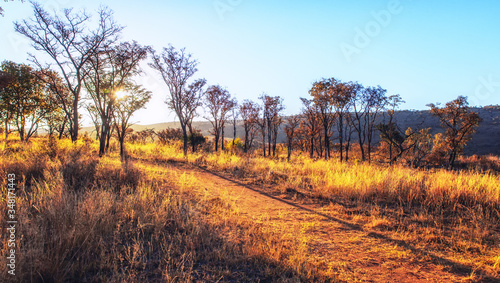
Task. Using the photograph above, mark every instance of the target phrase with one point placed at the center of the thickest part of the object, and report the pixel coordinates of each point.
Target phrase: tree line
(89, 67)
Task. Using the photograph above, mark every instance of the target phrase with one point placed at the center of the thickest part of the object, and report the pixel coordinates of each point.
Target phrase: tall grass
(439, 189)
(455, 213)
(82, 218)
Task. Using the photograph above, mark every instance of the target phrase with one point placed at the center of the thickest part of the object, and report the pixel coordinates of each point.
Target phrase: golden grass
(456, 214)
(437, 189)
(82, 218)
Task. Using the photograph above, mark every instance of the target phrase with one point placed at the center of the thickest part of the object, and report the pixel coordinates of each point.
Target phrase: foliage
(25, 100)
(460, 124)
(109, 72)
(196, 139)
(136, 98)
(168, 135)
(235, 146)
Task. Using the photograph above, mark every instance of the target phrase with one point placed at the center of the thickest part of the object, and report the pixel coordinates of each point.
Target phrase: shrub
(236, 145)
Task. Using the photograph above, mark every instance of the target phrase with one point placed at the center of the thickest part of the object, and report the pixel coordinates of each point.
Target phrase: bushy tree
(136, 98)
(25, 100)
(110, 71)
(459, 123)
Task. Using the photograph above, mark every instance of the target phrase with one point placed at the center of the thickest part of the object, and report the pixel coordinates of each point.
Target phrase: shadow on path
(455, 267)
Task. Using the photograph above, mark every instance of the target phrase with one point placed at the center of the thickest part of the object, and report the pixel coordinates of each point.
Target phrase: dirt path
(353, 252)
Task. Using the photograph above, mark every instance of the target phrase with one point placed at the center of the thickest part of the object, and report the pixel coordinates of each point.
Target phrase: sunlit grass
(97, 219)
(456, 213)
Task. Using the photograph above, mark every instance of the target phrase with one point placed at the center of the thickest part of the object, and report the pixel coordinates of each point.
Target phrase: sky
(425, 51)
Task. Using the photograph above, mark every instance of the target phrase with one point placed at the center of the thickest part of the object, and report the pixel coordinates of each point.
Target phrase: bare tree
(234, 119)
(292, 123)
(358, 118)
(459, 122)
(70, 43)
(176, 68)
(249, 112)
(341, 99)
(312, 122)
(193, 98)
(261, 123)
(271, 111)
(390, 133)
(375, 100)
(321, 92)
(218, 102)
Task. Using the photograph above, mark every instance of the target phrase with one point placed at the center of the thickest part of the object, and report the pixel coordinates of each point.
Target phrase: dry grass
(82, 218)
(453, 213)
(87, 219)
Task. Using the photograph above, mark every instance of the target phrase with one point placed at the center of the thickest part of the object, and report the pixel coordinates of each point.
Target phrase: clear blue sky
(426, 51)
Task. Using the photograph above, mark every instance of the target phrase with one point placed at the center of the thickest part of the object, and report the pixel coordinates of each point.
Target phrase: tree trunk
(110, 132)
(74, 127)
(311, 154)
(264, 142)
(341, 137)
(222, 138)
(122, 147)
(269, 142)
(245, 146)
(216, 142)
(361, 148)
(61, 130)
(21, 133)
(289, 150)
(6, 129)
(184, 136)
(102, 137)
(327, 143)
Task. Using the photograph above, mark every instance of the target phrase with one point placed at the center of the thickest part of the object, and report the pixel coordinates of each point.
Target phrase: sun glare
(120, 94)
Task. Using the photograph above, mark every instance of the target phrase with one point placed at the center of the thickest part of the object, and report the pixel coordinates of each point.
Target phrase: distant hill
(485, 141)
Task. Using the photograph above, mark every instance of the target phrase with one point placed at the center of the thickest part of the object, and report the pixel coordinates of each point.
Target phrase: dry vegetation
(453, 213)
(84, 218)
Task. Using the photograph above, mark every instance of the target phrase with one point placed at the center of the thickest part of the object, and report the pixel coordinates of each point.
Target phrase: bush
(236, 145)
(169, 135)
(196, 139)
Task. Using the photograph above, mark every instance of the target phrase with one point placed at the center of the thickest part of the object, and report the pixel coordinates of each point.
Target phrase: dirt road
(355, 253)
